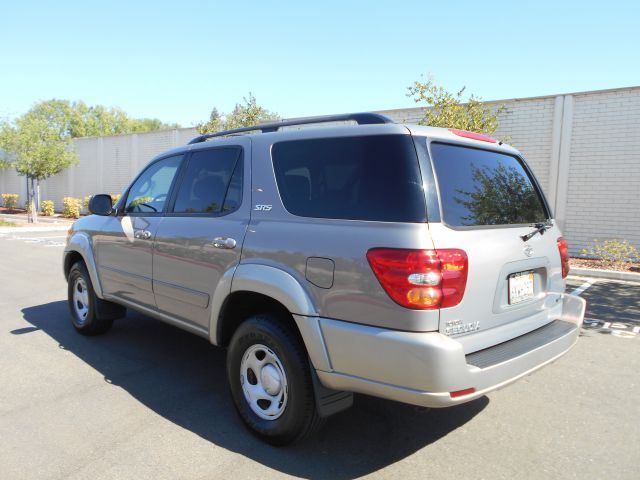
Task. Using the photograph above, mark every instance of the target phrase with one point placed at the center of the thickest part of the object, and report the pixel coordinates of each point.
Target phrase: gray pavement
(150, 401)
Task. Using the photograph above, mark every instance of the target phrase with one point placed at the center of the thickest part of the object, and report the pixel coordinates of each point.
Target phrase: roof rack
(359, 118)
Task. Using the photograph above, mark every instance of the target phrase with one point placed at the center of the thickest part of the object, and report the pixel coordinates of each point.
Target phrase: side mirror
(100, 204)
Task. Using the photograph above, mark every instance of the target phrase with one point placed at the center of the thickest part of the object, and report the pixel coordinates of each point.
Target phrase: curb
(41, 219)
(608, 274)
(60, 228)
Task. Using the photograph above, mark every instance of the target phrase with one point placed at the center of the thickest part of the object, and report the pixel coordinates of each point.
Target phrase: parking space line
(583, 287)
(617, 329)
(53, 236)
(46, 240)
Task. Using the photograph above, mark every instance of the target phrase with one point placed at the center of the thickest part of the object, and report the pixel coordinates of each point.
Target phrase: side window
(149, 193)
(212, 182)
(374, 178)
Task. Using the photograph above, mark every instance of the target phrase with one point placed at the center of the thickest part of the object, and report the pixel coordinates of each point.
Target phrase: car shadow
(182, 377)
(602, 295)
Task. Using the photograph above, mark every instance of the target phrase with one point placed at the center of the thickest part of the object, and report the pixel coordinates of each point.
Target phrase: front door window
(150, 191)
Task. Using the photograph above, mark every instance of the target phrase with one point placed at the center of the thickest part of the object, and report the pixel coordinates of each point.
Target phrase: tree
(446, 109)
(215, 123)
(500, 196)
(36, 149)
(243, 115)
(77, 119)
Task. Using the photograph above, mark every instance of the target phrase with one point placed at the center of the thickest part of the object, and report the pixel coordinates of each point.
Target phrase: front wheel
(89, 314)
(270, 380)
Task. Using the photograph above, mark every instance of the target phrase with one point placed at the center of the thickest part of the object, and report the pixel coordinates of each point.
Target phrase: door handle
(142, 234)
(224, 242)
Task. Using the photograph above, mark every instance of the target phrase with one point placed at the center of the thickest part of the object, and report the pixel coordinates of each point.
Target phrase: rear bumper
(423, 368)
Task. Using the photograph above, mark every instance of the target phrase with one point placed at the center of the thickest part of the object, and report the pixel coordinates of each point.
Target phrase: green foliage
(501, 196)
(10, 200)
(46, 207)
(214, 124)
(141, 201)
(35, 147)
(615, 253)
(243, 115)
(77, 119)
(85, 202)
(447, 110)
(71, 207)
(114, 199)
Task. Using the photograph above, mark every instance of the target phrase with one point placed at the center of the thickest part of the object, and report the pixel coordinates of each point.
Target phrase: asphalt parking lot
(150, 401)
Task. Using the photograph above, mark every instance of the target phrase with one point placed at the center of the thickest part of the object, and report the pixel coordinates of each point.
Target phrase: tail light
(564, 256)
(421, 279)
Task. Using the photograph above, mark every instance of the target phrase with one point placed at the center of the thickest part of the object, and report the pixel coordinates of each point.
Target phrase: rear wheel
(270, 380)
(89, 314)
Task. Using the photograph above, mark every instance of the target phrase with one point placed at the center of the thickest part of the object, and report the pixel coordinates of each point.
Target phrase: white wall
(584, 149)
(603, 191)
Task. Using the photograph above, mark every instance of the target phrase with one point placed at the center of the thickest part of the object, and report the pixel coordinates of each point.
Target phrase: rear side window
(373, 178)
(481, 187)
(212, 182)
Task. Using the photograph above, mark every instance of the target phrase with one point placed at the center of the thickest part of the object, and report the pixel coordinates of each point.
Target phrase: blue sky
(176, 60)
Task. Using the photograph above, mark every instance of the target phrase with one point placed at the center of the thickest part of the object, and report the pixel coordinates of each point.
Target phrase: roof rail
(359, 118)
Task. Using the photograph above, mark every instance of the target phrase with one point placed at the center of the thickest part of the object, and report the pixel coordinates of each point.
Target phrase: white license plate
(520, 287)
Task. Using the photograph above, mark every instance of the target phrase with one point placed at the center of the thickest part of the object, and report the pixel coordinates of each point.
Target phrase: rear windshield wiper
(539, 228)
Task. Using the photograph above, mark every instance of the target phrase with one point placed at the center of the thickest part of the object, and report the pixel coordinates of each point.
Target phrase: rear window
(373, 178)
(481, 187)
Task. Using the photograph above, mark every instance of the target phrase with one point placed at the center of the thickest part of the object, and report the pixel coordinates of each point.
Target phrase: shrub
(47, 208)
(614, 253)
(10, 200)
(85, 202)
(114, 199)
(71, 207)
(141, 201)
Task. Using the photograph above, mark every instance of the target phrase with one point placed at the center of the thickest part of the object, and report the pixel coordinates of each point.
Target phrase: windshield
(482, 187)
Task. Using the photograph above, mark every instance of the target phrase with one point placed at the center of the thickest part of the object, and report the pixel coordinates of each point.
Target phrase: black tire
(300, 418)
(99, 314)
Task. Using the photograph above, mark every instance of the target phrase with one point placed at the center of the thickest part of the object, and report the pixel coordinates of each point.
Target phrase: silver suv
(334, 255)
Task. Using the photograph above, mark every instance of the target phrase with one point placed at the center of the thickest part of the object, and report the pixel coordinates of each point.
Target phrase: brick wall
(603, 196)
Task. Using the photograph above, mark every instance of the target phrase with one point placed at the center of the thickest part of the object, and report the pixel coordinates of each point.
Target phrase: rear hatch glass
(489, 201)
(482, 187)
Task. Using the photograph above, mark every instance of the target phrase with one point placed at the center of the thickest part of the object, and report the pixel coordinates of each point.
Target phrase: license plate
(520, 287)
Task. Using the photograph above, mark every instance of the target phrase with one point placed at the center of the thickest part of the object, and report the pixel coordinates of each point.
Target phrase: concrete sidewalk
(19, 217)
(45, 224)
(607, 274)
(34, 229)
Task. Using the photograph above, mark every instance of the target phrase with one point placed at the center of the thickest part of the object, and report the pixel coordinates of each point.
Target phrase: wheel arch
(259, 289)
(79, 249)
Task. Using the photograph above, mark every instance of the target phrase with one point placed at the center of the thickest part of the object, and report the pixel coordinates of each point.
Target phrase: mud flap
(328, 401)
